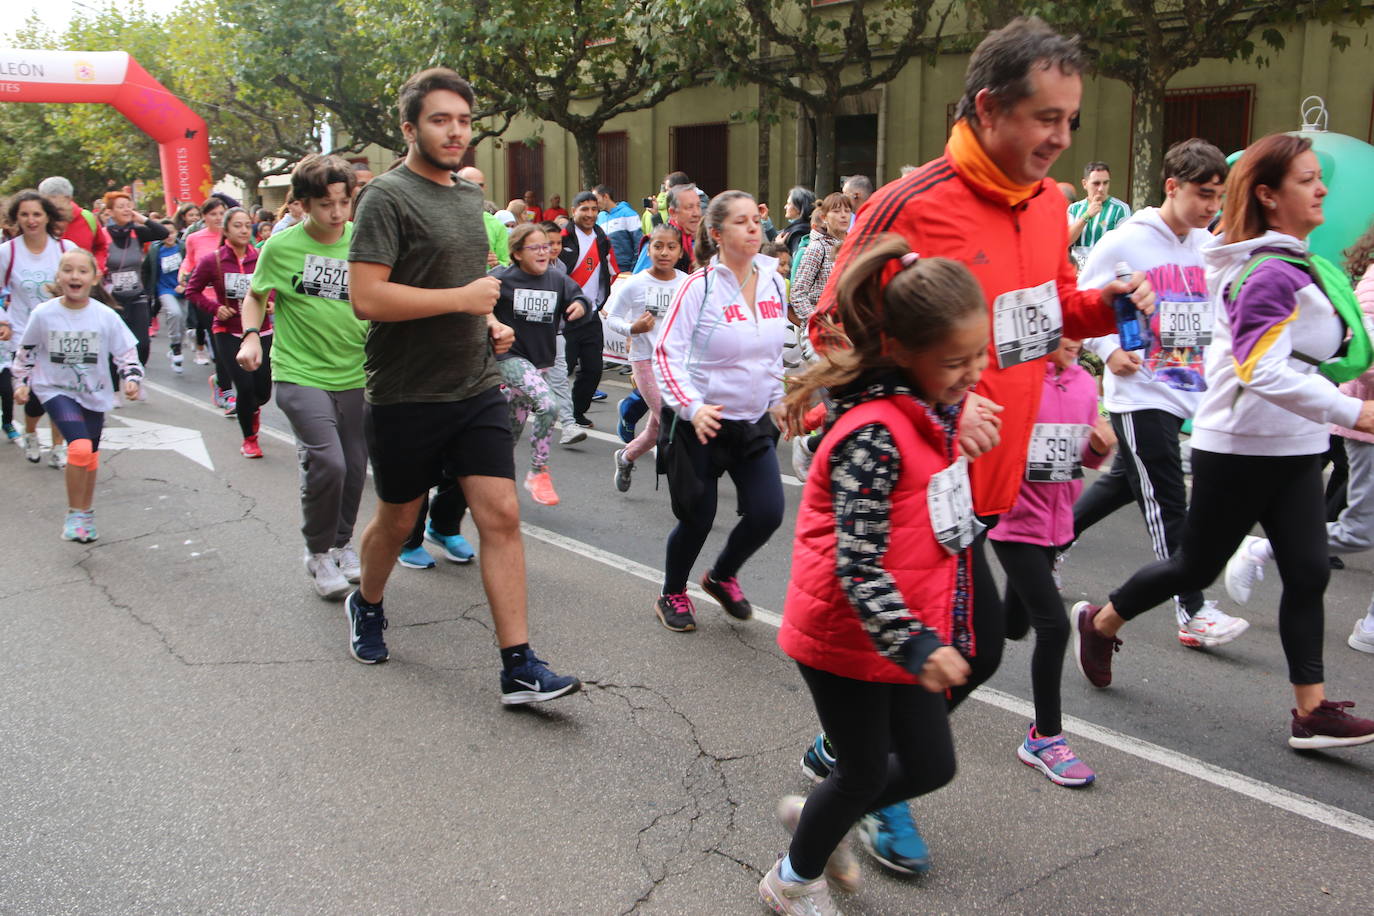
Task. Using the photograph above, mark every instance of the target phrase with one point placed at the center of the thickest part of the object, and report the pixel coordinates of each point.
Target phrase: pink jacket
(1362, 387)
(1043, 513)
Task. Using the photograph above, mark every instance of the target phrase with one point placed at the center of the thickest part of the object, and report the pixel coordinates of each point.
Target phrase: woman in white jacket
(718, 364)
(1259, 433)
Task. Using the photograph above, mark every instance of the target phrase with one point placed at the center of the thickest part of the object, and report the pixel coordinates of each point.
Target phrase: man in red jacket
(988, 203)
(82, 226)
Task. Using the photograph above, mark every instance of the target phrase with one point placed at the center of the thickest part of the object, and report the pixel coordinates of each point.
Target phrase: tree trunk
(588, 156)
(767, 104)
(1147, 142)
(824, 119)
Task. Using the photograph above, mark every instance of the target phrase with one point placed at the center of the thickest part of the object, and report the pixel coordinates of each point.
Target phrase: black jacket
(571, 249)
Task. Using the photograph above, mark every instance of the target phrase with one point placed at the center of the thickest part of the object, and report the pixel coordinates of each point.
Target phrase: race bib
(1056, 452)
(1027, 324)
(170, 262)
(536, 305)
(73, 348)
(950, 501)
(325, 277)
(1186, 323)
(656, 301)
(236, 285)
(125, 281)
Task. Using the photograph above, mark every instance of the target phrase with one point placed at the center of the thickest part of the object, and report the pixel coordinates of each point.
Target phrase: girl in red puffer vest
(879, 609)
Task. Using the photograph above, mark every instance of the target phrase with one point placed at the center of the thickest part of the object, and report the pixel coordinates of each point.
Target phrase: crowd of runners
(918, 344)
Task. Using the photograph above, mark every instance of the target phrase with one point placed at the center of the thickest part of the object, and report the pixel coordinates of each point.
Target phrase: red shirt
(79, 232)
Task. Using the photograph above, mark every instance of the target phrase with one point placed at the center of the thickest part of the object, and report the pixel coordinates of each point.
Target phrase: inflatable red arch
(114, 78)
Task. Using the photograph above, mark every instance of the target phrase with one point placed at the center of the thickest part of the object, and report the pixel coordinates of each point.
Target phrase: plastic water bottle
(1127, 316)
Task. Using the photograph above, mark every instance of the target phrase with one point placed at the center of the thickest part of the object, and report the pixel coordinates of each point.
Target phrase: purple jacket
(1043, 513)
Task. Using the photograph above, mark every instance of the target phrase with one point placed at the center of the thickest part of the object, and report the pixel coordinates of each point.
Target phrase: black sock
(515, 656)
(364, 604)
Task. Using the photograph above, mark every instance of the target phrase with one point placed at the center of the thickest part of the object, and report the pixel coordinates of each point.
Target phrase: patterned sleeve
(864, 469)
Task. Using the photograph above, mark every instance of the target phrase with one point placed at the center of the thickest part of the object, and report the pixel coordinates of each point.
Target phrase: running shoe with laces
(676, 612)
(890, 836)
(818, 760)
(571, 435)
(1052, 757)
(33, 449)
(415, 558)
(623, 427)
(1361, 640)
(1091, 649)
(13, 434)
(57, 457)
(623, 469)
(801, 457)
(584, 422)
(250, 448)
(598, 395)
(729, 595)
(533, 681)
(365, 626)
(1329, 725)
(178, 365)
(201, 358)
(842, 868)
(1211, 626)
(540, 487)
(787, 898)
(325, 576)
(76, 527)
(231, 406)
(456, 547)
(216, 396)
(1244, 569)
(348, 561)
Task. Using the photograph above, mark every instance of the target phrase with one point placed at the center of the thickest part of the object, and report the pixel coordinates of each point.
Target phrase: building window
(856, 145)
(700, 150)
(1218, 114)
(613, 153)
(524, 169)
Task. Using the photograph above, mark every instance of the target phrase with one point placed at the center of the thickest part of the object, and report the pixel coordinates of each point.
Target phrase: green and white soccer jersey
(1113, 213)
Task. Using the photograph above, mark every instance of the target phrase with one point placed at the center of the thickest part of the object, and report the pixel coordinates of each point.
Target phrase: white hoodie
(714, 349)
(1261, 399)
(1177, 272)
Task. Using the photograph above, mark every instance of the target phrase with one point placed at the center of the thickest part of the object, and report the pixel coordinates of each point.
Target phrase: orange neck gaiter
(973, 163)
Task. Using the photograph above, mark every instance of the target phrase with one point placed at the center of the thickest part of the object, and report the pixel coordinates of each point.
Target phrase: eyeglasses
(535, 248)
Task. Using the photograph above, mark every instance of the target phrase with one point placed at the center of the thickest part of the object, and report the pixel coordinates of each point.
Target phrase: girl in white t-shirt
(62, 361)
(635, 306)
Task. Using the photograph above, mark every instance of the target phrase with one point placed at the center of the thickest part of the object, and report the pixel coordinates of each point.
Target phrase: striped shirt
(1113, 213)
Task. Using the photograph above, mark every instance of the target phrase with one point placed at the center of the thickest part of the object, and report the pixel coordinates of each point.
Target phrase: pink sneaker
(540, 487)
(1052, 757)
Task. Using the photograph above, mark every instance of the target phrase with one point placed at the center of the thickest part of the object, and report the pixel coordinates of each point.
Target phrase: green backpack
(1355, 355)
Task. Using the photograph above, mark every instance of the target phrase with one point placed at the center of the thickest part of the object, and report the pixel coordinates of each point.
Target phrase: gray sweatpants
(173, 319)
(1353, 529)
(558, 384)
(333, 457)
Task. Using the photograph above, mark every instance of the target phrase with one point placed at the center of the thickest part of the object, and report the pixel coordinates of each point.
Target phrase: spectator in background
(555, 209)
(1066, 188)
(684, 212)
(830, 224)
(621, 224)
(516, 208)
(507, 219)
(536, 212)
(82, 229)
(289, 215)
(801, 202)
(858, 188)
(906, 170)
(1098, 213)
(498, 236)
(363, 174)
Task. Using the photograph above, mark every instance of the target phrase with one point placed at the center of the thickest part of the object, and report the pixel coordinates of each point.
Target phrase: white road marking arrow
(142, 434)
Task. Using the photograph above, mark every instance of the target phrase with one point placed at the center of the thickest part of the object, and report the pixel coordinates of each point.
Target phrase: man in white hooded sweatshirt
(1150, 393)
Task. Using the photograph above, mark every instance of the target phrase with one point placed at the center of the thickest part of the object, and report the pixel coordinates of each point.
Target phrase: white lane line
(200, 404)
(1263, 792)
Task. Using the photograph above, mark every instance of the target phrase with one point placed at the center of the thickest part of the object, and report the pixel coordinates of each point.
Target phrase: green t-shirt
(432, 236)
(318, 342)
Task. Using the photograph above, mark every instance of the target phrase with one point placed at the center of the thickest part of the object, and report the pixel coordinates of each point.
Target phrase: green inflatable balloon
(1347, 164)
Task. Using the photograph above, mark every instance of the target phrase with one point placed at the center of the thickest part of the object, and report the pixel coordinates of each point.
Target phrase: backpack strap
(90, 221)
(9, 268)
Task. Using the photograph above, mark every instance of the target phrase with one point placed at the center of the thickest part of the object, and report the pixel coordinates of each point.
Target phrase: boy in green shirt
(317, 363)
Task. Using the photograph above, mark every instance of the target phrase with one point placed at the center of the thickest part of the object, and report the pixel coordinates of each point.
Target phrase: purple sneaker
(1052, 757)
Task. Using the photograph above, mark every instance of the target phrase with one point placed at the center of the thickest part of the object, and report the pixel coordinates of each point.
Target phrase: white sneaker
(1210, 627)
(57, 458)
(178, 365)
(201, 358)
(810, 898)
(33, 449)
(801, 457)
(328, 581)
(842, 868)
(572, 434)
(1361, 640)
(1243, 570)
(346, 558)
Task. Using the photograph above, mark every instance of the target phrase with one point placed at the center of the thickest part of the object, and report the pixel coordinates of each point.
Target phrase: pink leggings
(642, 370)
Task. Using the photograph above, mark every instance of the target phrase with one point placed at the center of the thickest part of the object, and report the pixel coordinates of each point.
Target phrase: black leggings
(1230, 494)
(1031, 592)
(989, 623)
(445, 513)
(892, 742)
(758, 484)
(6, 396)
(253, 389)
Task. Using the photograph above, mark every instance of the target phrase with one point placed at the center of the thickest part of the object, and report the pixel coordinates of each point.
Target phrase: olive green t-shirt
(432, 237)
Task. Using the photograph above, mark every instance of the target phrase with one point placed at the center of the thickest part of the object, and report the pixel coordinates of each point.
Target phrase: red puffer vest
(820, 628)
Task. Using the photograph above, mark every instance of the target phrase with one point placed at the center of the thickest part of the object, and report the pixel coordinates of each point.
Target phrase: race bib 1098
(1027, 324)
(535, 304)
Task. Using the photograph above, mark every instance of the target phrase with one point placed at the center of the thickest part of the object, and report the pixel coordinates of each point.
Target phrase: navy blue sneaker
(625, 428)
(533, 682)
(817, 762)
(599, 395)
(456, 547)
(891, 837)
(365, 628)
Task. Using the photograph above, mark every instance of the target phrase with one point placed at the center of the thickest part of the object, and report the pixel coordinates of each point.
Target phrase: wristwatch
(247, 331)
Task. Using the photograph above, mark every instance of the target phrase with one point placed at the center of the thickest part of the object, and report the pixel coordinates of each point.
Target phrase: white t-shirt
(25, 274)
(632, 297)
(72, 350)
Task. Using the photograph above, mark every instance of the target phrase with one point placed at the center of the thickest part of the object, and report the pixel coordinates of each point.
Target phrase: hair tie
(909, 258)
(897, 265)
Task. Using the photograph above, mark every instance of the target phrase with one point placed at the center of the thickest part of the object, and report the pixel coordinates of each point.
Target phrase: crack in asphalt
(1072, 863)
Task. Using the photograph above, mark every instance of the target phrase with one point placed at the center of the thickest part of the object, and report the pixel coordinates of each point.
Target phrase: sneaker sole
(409, 565)
(1076, 615)
(1359, 645)
(867, 842)
(521, 697)
(1194, 641)
(575, 438)
(811, 774)
(1031, 760)
(1317, 742)
(542, 502)
(684, 629)
(447, 556)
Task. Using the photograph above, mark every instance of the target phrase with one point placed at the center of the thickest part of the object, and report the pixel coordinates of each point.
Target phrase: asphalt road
(184, 731)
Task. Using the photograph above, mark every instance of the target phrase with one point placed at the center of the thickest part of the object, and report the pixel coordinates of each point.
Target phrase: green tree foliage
(815, 55)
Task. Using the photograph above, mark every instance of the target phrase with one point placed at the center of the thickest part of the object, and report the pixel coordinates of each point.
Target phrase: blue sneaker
(533, 682)
(625, 429)
(11, 433)
(891, 837)
(456, 547)
(365, 630)
(817, 762)
(599, 395)
(416, 558)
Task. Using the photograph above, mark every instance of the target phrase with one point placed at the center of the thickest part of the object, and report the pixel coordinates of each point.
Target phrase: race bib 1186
(1027, 324)
(1056, 452)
